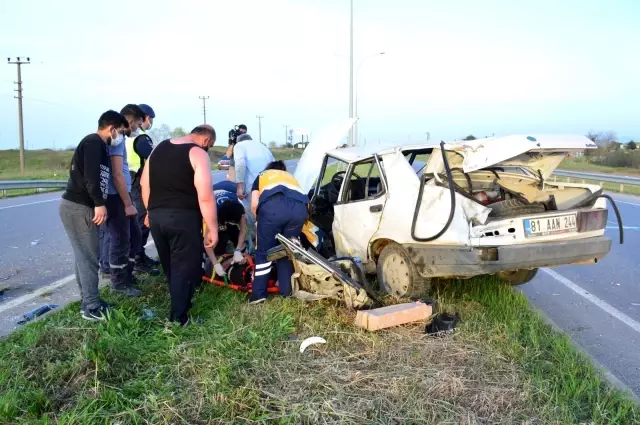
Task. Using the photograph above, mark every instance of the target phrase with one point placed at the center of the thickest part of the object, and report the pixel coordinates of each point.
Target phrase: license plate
(554, 225)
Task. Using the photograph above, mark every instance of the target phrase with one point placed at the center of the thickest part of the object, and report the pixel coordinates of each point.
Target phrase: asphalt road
(598, 305)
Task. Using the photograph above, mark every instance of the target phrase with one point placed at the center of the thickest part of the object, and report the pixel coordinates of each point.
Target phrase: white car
(488, 206)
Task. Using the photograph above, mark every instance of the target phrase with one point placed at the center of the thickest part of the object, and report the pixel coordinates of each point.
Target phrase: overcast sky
(450, 67)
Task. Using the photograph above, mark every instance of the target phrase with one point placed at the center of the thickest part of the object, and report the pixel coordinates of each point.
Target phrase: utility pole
(260, 127)
(204, 107)
(19, 63)
(286, 135)
(351, 132)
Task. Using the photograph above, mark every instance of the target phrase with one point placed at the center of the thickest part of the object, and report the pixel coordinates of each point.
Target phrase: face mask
(118, 140)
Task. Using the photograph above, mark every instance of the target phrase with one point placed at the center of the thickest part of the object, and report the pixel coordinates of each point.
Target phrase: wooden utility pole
(19, 62)
(204, 108)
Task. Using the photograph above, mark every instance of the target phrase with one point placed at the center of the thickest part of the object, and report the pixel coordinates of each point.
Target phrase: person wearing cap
(242, 129)
(139, 147)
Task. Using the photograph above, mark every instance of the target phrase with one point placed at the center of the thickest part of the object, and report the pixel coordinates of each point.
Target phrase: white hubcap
(395, 272)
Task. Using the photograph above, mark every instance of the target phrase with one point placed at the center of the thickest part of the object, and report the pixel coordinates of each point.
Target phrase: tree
(470, 137)
(272, 145)
(632, 146)
(178, 132)
(158, 134)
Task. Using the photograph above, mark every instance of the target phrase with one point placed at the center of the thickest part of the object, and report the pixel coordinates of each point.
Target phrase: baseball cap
(148, 110)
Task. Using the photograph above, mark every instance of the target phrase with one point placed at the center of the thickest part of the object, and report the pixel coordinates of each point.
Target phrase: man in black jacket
(83, 210)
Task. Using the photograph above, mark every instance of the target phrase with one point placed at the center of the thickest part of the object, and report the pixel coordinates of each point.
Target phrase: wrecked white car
(414, 213)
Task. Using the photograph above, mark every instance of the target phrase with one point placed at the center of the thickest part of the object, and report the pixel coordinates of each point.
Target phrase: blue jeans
(123, 238)
(276, 215)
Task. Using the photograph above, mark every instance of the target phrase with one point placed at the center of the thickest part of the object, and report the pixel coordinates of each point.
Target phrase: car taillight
(589, 221)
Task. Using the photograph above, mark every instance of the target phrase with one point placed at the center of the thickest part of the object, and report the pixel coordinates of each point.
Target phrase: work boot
(129, 291)
(146, 269)
(145, 259)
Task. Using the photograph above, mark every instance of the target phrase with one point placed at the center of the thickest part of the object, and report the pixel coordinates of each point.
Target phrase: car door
(358, 213)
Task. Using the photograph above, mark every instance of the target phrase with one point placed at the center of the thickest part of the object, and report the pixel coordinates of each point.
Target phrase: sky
(449, 68)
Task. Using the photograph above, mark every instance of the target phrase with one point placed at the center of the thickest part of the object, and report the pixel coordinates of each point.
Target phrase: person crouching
(280, 206)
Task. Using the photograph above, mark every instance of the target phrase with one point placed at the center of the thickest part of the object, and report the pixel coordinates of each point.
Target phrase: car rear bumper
(449, 261)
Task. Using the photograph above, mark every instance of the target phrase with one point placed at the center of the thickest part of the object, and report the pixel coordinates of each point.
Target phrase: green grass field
(581, 164)
(241, 364)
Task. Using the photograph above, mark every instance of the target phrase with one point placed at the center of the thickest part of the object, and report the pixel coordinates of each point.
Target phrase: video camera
(235, 132)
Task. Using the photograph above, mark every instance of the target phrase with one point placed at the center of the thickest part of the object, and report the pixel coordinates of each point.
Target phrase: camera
(233, 135)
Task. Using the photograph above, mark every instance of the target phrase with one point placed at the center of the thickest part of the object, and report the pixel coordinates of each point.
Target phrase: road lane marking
(30, 203)
(49, 288)
(595, 300)
(628, 203)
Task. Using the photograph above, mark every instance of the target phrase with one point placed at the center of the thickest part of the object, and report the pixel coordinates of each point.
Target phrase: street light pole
(260, 127)
(351, 132)
(356, 93)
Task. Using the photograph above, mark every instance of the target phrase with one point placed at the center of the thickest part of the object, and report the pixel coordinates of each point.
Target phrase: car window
(364, 182)
(333, 166)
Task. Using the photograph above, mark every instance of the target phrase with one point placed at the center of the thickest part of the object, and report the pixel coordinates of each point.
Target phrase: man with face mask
(177, 203)
(83, 209)
(122, 237)
(139, 147)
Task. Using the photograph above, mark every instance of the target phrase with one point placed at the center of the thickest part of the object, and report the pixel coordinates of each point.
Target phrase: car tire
(397, 275)
(514, 207)
(518, 277)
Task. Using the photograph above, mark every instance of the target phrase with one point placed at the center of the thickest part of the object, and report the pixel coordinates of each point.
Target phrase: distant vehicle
(224, 163)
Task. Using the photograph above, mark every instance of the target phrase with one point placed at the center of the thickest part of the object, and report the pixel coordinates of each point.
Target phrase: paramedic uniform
(282, 208)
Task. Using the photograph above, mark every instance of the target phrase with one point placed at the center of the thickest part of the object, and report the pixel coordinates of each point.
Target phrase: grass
(581, 164)
(241, 364)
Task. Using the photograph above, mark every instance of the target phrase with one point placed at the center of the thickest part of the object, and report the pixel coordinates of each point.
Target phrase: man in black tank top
(177, 191)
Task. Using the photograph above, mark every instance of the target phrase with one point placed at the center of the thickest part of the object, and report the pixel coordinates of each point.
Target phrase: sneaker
(102, 304)
(146, 269)
(145, 259)
(253, 299)
(100, 313)
(129, 291)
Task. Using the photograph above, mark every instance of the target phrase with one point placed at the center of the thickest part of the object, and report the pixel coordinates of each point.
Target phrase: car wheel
(514, 207)
(518, 277)
(397, 275)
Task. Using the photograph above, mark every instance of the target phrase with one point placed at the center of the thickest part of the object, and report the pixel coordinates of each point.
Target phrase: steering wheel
(338, 177)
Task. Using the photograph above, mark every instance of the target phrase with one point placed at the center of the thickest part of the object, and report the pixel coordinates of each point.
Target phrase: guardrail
(610, 178)
(32, 184)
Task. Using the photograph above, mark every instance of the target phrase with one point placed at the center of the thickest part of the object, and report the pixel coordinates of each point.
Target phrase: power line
(260, 127)
(18, 62)
(204, 107)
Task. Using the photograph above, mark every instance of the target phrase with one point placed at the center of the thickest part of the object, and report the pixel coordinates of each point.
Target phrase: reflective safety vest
(273, 182)
(132, 157)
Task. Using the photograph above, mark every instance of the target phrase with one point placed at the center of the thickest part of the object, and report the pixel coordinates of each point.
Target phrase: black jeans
(178, 237)
(123, 242)
(136, 197)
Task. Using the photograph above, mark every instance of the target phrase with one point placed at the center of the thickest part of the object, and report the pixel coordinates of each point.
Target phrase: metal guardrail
(32, 184)
(610, 178)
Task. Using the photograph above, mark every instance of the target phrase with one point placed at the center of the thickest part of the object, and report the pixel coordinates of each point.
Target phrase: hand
(146, 221)
(240, 191)
(238, 257)
(219, 270)
(100, 215)
(130, 211)
(211, 238)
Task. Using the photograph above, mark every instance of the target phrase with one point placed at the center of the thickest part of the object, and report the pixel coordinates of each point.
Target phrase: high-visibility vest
(132, 157)
(272, 182)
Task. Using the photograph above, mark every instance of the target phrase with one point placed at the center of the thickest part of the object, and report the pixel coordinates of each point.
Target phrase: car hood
(310, 162)
(541, 154)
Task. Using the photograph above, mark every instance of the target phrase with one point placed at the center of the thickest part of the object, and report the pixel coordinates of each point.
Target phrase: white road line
(49, 288)
(628, 203)
(30, 203)
(597, 301)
